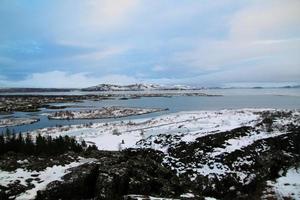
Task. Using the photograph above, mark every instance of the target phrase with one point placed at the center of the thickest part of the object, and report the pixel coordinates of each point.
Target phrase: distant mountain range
(132, 87)
(135, 87)
(260, 87)
(28, 90)
(294, 86)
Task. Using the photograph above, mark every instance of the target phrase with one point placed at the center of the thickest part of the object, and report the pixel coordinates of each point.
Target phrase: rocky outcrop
(79, 184)
(232, 164)
(115, 175)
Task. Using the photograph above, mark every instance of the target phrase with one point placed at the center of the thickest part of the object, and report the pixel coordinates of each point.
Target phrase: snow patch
(287, 185)
(40, 179)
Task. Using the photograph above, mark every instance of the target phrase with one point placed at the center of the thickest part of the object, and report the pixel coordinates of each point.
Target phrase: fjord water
(231, 99)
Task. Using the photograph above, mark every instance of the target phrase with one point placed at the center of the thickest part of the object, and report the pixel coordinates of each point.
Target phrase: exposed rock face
(234, 164)
(79, 184)
(139, 174)
(116, 175)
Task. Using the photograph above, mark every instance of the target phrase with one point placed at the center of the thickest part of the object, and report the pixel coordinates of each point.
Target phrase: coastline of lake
(230, 99)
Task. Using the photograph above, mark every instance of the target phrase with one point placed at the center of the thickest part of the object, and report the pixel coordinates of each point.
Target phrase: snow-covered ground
(163, 132)
(6, 122)
(166, 132)
(40, 179)
(186, 125)
(186, 196)
(143, 197)
(287, 186)
(105, 112)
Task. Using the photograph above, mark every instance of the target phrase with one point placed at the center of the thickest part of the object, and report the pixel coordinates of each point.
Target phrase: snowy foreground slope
(215, 153)
(40, 178)
(182, 126)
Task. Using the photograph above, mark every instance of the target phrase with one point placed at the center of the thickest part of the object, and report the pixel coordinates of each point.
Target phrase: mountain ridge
(135, 87)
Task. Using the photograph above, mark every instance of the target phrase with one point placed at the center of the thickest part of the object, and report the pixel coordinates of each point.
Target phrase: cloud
(90, 19)
(58, 20)
(60, 79)
(107, 13)
(255, 73)
(271, 19)
(211, 55)
(159, 68)
(101, 54)
(159, 41)
(263, 44)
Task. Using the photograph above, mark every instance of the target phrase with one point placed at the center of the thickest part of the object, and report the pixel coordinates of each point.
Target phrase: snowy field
(187, 125)
(6, 122)
(285, 187)
(40, 179)
(105, 112)
(168, 132)
(165, 132)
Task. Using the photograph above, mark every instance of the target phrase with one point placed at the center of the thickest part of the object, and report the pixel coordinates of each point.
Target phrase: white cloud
(159, 68)
(101, 54)
(263, 45)
(89, 19)
(108, 12)
(209, 41)
(214, 55)
(270, 19)
(256, 73)
(60, 79)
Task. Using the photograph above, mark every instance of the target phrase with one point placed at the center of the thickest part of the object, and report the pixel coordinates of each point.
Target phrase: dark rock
(79, 184)
(138, 172)
(116, 174)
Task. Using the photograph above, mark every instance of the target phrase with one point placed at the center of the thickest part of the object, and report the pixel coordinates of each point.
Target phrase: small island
(6, 122)
(103, 113)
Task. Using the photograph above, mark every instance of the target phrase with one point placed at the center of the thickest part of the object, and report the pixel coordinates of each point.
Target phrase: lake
(231, 99)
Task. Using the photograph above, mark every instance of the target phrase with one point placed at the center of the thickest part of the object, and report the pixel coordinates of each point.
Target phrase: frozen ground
(37, 179)
(105, 112)
(165, 132)
(6, 122)
(285, 187)
(143, 197)
(186, 196)
(186, 125)
(207, 144)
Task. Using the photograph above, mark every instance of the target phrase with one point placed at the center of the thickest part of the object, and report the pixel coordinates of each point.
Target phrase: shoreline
(221, 150)
(33, 103)
(61, 115)
(17, 122)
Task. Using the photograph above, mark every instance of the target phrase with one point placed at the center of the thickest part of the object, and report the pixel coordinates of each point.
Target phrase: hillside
(226, 154)
(135, 87)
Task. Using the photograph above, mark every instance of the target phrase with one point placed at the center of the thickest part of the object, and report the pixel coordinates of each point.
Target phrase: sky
(80, 43)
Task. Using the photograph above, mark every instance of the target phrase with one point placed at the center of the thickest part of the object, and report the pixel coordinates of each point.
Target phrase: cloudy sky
(79, 43)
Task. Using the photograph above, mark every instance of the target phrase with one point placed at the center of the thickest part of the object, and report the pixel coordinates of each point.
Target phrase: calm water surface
(232, 99)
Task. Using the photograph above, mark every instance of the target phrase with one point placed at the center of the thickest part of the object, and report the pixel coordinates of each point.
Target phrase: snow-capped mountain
(135, 87)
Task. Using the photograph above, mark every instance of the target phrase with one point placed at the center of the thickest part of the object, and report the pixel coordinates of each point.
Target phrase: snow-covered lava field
(105, 112)
(6, 122)
(216, 153)
(181, 127)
